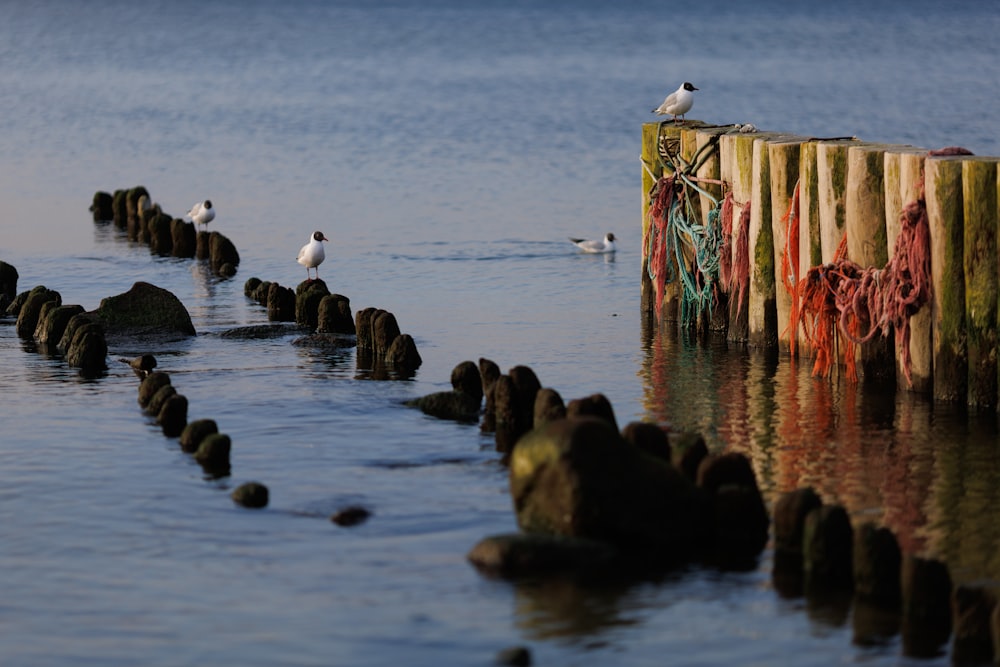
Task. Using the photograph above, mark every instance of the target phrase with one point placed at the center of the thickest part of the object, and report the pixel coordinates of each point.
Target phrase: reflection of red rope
(864, 302)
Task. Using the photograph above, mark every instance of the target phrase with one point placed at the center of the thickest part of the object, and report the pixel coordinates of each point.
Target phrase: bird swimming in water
(603, 246)
(312, 254)
(202, 213)
(678, 102)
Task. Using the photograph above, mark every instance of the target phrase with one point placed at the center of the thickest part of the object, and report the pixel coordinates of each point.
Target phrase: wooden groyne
(878, 261)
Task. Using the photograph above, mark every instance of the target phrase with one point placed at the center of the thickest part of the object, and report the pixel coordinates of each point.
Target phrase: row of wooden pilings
(834, 191)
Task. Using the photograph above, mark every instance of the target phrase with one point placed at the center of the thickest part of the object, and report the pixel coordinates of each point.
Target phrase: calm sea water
(447, 149)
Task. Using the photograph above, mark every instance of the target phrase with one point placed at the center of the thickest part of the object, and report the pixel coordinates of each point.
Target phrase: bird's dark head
(688, 86)
(610, 236)
(208, 203)
(318, 236)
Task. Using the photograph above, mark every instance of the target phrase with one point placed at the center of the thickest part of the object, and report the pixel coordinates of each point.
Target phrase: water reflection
(927, 471)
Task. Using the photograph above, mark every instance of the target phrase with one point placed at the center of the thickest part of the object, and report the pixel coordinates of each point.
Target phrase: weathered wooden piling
(735, 168)
(904, 181)
(979, 198)
(943, 189)
(762, 307)
(783, 157)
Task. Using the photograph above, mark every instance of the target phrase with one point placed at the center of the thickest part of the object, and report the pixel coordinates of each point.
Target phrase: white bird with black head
(605, 245)
(678, 102)
(202, 213)
(312, 254)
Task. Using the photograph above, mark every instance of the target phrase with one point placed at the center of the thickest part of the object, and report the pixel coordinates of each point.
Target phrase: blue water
(447, 149)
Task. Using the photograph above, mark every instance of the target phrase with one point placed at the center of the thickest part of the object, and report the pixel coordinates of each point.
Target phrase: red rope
(739, 280)
(659, 211)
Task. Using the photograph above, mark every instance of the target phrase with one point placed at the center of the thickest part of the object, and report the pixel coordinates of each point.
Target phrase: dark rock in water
(132, 210)
(515, 656)
(522, 554)
(549, 407)
(14, 308)
(145, 311)
(466, 379)
(88, 349)
(402, 354)
(334, 315)
(27, 317)
(828, 549)
(250, 287)
(223, 256)
(877, 566)
(528, 386)
(280, 303)
(157, 400)
(184, 238)
(173, 415)
(50, 330)
(195, 432)
(350, 516)
(76, 322)
(260, 295)
(8, 284)
(159, 229)
(688, 450)
(119, 208)
(514, 405)
(489, 371)
(363, 328)
(595, 405)
(150, 385)
(790, 513)
(578, 477)
(142, 365)
(927, 590)
(102, 208)
(385, 330)
(251, 494)
(322, 341)
(213, 454)
(262, 331)
(649, 438)
(308, 295)
(741, 523)
(972, 607)
(453, 405)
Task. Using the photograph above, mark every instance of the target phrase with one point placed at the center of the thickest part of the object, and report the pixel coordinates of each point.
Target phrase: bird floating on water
(202, 213)
(312, 254)
(678, 102)
(607, 244)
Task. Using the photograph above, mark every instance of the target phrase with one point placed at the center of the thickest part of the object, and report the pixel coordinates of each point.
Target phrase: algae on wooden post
(943, 189)
(736, 168)
(979, 197)
(831, 167)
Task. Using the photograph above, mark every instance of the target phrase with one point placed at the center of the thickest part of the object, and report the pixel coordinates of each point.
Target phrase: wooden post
(810, 242)
(866, 242)
(979, 196)
(783, 157)
(943, 189)
(762, 312)
(710, 170)
(736, 169)
(904, 177)
(651, 171)
(831, 167)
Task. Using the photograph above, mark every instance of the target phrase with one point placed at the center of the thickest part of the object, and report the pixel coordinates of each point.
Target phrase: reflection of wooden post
(904, 175)
(866, 241)
(736, 168)
(979, 196)
(943, 189)
(784, 160)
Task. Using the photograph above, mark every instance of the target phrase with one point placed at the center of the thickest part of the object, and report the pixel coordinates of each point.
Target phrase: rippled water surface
(447, 149)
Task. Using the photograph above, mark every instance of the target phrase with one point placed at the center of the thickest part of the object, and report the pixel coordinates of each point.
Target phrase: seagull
(312, 254)
(604, 246)
(678, 102)
(202, 213)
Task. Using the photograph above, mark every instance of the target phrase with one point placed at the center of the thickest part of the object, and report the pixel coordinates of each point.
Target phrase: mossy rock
(145, 311)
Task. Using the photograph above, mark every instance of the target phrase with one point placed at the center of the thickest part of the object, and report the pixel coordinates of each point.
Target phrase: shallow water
(448, 150)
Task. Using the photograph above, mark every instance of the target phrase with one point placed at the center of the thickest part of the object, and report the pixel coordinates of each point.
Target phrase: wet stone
(253, 495)
(173, 415)
(350, 516)
(595, 405)
(150, 385)
(195, 432)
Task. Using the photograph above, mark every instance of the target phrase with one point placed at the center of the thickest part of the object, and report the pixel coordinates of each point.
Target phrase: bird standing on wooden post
(678, 102)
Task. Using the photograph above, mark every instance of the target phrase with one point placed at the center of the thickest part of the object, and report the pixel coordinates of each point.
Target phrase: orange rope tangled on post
(858, 303)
